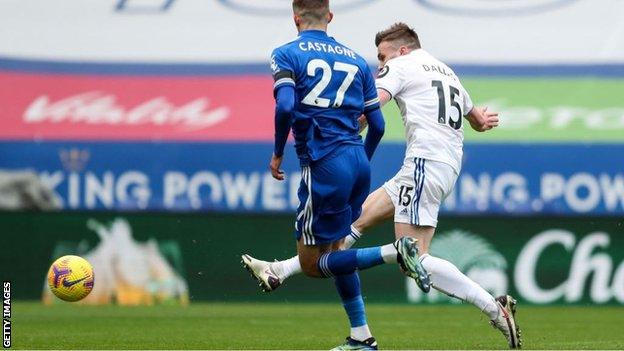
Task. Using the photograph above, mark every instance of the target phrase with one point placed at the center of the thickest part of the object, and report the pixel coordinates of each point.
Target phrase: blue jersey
(333, 87)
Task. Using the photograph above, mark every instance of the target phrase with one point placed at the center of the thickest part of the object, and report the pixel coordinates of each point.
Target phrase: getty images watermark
(6, 315)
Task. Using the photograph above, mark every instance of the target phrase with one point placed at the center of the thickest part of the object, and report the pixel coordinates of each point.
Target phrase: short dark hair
(311, 10)
(400, 33)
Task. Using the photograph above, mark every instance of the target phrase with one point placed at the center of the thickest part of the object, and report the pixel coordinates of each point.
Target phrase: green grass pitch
(303, 326)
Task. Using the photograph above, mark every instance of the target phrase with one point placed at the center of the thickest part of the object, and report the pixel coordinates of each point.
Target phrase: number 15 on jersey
(444, 107)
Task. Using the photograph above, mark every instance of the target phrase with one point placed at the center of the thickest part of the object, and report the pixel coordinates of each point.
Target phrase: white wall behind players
(206, 31)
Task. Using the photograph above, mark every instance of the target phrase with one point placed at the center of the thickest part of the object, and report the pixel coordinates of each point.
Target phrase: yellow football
(71, 278)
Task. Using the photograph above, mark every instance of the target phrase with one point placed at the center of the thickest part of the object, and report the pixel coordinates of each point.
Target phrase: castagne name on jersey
(326, 47)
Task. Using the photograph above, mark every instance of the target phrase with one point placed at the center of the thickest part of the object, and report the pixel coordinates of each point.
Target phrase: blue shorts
(331, 195)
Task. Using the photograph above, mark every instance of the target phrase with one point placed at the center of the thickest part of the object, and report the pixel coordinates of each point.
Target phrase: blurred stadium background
(138, 132)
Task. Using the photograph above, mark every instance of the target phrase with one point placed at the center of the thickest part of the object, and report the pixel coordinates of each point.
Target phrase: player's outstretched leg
(271, 275)
(403, 251)
(447, 278)
(506, 321)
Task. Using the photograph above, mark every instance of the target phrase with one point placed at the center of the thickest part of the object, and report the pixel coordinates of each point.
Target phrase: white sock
(352, 238)
(286, 268)
(361, 333)
(449, 280)
(389, 253)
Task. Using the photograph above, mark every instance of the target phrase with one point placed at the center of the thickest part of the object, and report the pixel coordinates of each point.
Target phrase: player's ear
(330, 16)
(297, 20)
(403, 50)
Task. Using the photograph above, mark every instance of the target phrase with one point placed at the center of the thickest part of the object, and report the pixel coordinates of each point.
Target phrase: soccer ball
(71, 278)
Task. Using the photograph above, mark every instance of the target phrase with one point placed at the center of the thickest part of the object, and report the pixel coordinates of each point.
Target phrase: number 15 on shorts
(405, 196)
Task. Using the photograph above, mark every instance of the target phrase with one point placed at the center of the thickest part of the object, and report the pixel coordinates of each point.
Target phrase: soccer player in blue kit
(321, 89)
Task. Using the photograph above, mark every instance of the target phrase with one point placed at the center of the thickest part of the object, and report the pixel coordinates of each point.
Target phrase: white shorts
(418, 189)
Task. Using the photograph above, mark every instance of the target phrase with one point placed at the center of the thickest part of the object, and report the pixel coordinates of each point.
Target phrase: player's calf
(309, 267)
(309, 257)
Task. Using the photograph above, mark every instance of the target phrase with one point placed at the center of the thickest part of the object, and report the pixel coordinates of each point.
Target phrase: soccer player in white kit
(432, 102)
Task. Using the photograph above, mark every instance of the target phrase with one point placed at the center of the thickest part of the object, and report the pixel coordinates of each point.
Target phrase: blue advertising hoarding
(520, 179)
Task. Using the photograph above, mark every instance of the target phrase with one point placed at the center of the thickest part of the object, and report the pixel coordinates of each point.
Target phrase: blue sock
(348, 261)
(348, 287)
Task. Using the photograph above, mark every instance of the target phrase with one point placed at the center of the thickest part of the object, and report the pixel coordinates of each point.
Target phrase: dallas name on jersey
(432, 102)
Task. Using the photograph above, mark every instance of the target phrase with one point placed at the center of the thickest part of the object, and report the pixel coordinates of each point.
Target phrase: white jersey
(432, 102)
